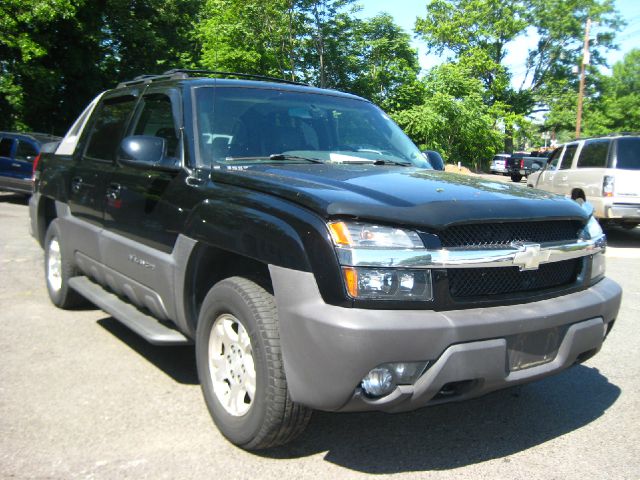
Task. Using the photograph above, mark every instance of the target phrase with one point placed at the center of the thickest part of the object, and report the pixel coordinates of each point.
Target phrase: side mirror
(435, 159)
(145, 151)
(535, 167)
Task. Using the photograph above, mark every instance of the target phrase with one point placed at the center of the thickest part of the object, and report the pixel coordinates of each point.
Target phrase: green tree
(55, 55)
(250, 36)
(620, 101)
(477, 34)
(319, 42)
(387, 66)
(23, 43)
(453, 118)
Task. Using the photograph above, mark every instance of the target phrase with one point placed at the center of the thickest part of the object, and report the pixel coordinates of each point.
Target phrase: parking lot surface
(83, 397)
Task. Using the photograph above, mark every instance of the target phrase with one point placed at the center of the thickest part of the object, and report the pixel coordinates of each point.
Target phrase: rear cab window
(628, 153)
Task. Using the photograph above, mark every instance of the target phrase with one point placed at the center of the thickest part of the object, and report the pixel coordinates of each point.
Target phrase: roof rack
(182, 73)
(608, 135)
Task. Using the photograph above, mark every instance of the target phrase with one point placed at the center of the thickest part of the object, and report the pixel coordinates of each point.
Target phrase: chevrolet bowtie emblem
(529, 256)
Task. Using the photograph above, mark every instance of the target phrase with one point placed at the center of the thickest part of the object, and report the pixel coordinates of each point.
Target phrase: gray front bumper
(327, 350)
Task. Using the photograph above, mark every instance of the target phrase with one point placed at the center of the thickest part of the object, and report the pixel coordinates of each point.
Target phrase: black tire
(272, 418)
(62, 295)
(516, 177)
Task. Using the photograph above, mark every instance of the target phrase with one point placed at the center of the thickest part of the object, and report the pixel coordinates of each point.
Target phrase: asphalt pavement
(83, 397)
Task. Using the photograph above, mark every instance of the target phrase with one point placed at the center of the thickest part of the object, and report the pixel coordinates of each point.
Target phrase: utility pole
(585, 61)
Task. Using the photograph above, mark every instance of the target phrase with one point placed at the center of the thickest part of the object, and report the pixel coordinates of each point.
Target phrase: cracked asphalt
(83, 397)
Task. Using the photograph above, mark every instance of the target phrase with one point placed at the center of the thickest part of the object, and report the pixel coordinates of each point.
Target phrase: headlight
(388, 283)
(352, 234)
(592, 230)
(367, 254)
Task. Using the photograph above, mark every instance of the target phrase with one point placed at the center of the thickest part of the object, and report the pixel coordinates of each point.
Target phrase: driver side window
(156, 120)
(555, 158)
(567, 158)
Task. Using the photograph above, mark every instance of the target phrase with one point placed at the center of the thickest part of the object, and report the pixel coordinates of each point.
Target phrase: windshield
(628, 155)
(256, 125)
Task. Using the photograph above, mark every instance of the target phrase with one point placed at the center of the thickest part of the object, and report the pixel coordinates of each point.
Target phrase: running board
(146, 326)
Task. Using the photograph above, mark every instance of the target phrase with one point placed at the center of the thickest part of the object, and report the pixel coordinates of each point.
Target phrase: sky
(405, 12)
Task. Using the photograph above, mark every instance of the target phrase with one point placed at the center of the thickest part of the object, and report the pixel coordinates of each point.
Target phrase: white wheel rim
(231, 365)
(54, 266)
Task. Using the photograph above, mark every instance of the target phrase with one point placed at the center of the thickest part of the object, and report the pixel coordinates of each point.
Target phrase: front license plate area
(531, 349)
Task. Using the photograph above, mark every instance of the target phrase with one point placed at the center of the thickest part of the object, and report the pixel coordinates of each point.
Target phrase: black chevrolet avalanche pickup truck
(305, 246)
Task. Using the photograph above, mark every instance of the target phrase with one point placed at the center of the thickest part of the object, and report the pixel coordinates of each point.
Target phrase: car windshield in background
(267, 125)
(628, 155)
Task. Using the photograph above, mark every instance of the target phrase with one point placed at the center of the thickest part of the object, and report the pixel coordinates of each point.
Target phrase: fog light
(405, 373)
(378, 382)
(383, 379)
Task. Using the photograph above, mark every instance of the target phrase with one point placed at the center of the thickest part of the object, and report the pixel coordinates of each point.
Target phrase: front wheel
(240, 367)
(58, 270)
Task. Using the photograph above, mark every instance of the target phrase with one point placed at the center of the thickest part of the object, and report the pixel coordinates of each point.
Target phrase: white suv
(499, 163)
(604, 171)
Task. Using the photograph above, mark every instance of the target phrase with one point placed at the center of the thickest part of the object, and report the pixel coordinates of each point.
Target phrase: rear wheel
(58, 270)
(240, 367)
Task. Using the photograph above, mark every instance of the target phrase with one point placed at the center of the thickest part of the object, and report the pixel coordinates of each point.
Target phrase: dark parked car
(18, 151)
(522, 164)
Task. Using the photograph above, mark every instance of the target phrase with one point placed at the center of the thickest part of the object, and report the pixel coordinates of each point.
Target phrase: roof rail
(142, 79)
(607, 135)
(182, 73)
(200, 72)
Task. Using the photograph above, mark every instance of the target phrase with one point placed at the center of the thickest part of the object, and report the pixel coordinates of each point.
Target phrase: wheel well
(46, 215)
(577, 193)
(208, 265)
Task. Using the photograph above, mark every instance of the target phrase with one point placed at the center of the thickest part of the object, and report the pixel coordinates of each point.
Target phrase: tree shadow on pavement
(15, 198)
(178, 362)
(454, 435)
(619, 237)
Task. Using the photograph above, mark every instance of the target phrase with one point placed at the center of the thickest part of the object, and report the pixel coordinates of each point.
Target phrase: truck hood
(399, 195)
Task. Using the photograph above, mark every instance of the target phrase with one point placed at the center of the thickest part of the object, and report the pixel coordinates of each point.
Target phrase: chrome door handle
(113, 191)
(76, 184)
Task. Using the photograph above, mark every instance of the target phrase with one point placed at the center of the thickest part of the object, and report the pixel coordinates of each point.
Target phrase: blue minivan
(18, 151)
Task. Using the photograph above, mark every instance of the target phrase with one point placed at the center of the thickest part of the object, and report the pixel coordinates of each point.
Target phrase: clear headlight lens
(369, 282)
(388, 283)
(591, 230)
(355, 234)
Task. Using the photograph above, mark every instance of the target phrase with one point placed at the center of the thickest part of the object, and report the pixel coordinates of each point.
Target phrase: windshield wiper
(274, 156)
(394, 162)
(286, 156)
